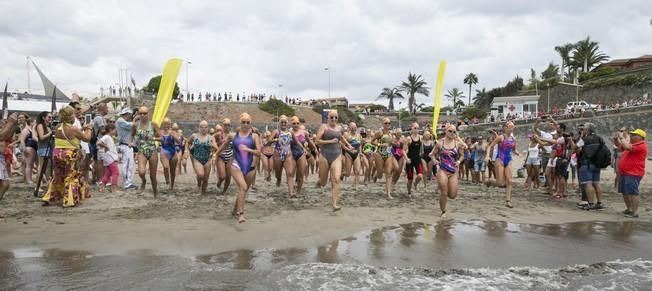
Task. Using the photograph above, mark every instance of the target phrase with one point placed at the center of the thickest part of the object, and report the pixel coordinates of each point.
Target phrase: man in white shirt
(128, 164)
(547, 136)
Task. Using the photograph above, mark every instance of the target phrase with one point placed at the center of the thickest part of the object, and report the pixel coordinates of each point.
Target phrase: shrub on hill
(276, 107)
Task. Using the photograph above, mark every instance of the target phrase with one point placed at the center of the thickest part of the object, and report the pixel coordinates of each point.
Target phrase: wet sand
(183, 222)
(452, 254)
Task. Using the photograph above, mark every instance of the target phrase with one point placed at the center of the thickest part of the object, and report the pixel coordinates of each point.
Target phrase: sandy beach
(183, 222)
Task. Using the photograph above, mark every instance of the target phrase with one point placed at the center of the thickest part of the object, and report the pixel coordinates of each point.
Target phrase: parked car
(582, 105)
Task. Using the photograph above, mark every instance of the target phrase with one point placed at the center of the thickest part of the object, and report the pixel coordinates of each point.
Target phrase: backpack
(602, 157)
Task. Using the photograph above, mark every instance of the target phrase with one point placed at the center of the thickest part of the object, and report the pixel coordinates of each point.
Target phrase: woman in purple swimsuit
(245, 144)
(506, 146)
(299, 150)
(283, 159)
(448, 153)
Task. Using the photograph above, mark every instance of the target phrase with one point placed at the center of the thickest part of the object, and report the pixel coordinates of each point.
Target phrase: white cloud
(253, 46)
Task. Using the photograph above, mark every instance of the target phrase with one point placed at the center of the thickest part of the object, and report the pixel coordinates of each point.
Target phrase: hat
(638, 132)
(125, 111)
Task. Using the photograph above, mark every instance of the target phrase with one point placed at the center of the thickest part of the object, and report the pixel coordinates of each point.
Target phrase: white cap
(125, 111)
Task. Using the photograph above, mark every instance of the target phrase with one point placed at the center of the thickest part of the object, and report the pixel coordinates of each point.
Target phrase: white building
(520, 106)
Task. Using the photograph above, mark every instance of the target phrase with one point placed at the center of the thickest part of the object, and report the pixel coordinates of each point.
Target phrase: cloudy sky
(254, 46)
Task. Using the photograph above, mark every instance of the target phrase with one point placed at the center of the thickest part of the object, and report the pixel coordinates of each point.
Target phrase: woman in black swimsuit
(352, 160)
(330, 140)
(267, 154)
(28, 140)
(413, 163)
(428, 163)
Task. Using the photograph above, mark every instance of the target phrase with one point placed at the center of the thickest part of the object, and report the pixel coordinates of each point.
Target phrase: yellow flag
(165, 89)
(439, 89)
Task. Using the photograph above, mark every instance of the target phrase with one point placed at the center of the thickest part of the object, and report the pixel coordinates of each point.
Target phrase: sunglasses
(295, 123)
(386, 123)
(245, 122)
(226, 124)
(142, 113)
(284, 122)
(451, 131)
(333, 117)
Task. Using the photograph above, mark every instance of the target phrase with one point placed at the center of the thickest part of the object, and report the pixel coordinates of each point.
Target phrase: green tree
(419, 107)
(390, 95)
(377, 108)
(453, 95)
(587, 55)
(533, 78)
(155, 82)
(565, 54)
(474, 111)
(427, 109)
(480, 94)
(277, 107)
(551, 71)
(470, 79)
(414, 85)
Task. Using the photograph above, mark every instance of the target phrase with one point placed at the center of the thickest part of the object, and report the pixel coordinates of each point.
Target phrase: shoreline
(182, 222)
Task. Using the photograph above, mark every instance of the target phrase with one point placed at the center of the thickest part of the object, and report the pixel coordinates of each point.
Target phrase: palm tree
(479, 95)
(454, 94)
(564, 52)
(470, 79)
(533, 80)
(587, 54)
(390, 94)
(414, 85)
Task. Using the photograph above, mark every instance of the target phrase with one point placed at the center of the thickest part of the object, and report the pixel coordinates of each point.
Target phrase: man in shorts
(547, 136)
(589, 174)
(631, 169)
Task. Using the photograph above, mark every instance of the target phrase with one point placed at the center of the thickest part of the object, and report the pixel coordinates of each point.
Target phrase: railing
(571, 116)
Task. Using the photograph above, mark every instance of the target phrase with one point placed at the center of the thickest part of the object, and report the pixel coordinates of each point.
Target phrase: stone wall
(562, 94)
(607, 125)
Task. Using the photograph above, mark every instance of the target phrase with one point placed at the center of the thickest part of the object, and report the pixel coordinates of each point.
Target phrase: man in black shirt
(589, 174)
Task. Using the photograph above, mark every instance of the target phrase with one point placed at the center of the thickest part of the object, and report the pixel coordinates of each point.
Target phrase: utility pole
(329, 81)
(29, 83)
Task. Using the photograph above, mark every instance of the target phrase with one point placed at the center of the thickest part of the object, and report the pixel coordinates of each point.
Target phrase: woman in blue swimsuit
(169, 157)
(201, 145)
(245, 144)
(506, 146)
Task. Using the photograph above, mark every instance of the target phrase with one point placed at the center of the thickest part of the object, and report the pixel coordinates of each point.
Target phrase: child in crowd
(109, 158)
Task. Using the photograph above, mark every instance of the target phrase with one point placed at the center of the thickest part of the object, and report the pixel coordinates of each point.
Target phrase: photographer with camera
(588, 149)
(546, 136)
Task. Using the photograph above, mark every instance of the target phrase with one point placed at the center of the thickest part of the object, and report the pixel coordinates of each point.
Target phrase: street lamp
(329, 81)
(280, 91)
(577, 91)
(187, 69)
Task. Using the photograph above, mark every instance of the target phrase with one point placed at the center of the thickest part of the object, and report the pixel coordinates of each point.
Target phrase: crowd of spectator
(230, 97)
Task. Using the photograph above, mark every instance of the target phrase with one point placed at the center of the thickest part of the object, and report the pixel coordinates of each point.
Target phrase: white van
(582, 105)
